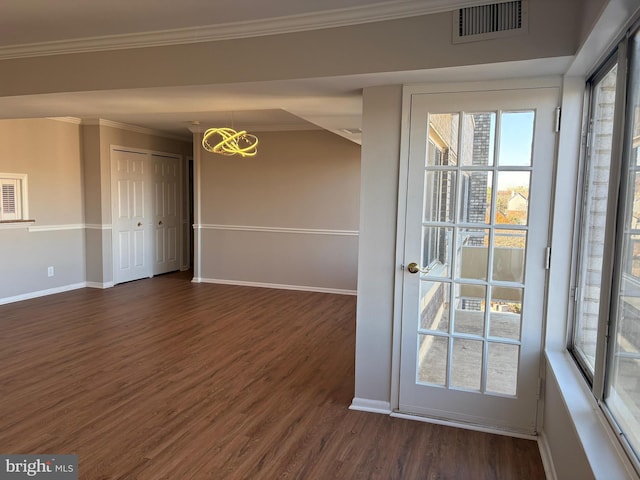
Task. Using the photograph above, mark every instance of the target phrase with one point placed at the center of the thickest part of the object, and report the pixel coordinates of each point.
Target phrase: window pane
(466, 366)
(472, 253)
(505, 317)
(479, 132)
(10, 199)
(434, 306)
(622, 394)
(443, 143)
(594, 214)
(469, 313)
(436, 252)
(439, 196)
(512, 201)
(475, 197)
(502, 368)
(432, 359)
(508, 255)
(516, 138)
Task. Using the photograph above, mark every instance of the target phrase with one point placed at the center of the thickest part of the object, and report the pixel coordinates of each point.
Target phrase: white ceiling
(330, 103)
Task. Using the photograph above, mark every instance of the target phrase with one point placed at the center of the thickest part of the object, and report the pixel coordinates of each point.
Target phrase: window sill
(606, 456)
(16, 223)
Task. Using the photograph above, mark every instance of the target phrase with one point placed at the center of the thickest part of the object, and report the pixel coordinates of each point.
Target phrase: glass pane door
(470, 279)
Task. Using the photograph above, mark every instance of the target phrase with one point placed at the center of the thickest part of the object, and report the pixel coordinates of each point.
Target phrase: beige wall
(382, 108)
(49, 153)
(297, 206)
(288, 216)
(69, 185)
(98, 140)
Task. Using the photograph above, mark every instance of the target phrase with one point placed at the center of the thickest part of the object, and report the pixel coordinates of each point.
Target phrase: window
(595, 197)
(606, 328)
(13, 197)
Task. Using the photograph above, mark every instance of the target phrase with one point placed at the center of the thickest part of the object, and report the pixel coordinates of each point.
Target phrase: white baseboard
(547, 459)
(373, 406)
(100, 284)
(42, 293)
(466, 426)
(304, 288)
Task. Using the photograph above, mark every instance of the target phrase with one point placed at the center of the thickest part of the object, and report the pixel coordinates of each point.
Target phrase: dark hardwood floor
(165, 379)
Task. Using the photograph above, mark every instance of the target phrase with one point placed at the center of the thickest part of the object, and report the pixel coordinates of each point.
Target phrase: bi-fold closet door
(145, 214)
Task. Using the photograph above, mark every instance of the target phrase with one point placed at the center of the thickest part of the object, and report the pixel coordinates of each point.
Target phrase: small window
(13, 196)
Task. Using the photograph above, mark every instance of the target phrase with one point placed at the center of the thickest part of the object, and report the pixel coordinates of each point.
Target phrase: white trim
(606, 456)
(42, 293)
(17, 224)
(135, 129)
(303, 288)
(97, 226)
(53, 228)
(465, 426)
(144, 151)
(372, 406)
(377, 12)
(74, 120)
(550, 81)
(100, 284)
(302, 231)
(29, 225)
(547, 459)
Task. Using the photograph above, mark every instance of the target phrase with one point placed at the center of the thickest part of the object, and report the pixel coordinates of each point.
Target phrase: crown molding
(134, 128)
(377, 12)
(74, 120)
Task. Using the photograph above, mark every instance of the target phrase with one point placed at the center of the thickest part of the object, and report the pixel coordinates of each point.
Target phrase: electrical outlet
(50, 272)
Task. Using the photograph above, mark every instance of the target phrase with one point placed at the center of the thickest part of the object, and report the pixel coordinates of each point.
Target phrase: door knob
(413, 267)
(160, 222)
(139, 224)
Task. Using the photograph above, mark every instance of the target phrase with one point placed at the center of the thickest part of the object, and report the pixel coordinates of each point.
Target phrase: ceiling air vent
(494, 20)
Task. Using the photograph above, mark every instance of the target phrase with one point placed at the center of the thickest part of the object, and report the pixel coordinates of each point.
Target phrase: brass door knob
(413, 267)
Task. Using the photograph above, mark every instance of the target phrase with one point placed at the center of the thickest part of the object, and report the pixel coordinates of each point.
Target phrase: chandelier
(226, 141)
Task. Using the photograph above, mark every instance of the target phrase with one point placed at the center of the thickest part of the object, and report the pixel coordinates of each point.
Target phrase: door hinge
(558, 115)
(540, 387)
(547, 258)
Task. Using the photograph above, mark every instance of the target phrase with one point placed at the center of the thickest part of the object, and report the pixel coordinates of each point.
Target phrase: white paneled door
(166, 182)
(132, 229)
(475, 255)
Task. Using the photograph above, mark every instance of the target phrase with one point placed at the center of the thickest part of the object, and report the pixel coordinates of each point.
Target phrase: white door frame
(407, 93)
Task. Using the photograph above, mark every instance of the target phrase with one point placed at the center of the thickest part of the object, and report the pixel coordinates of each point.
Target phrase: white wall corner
(372, 406)
(547, 459)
